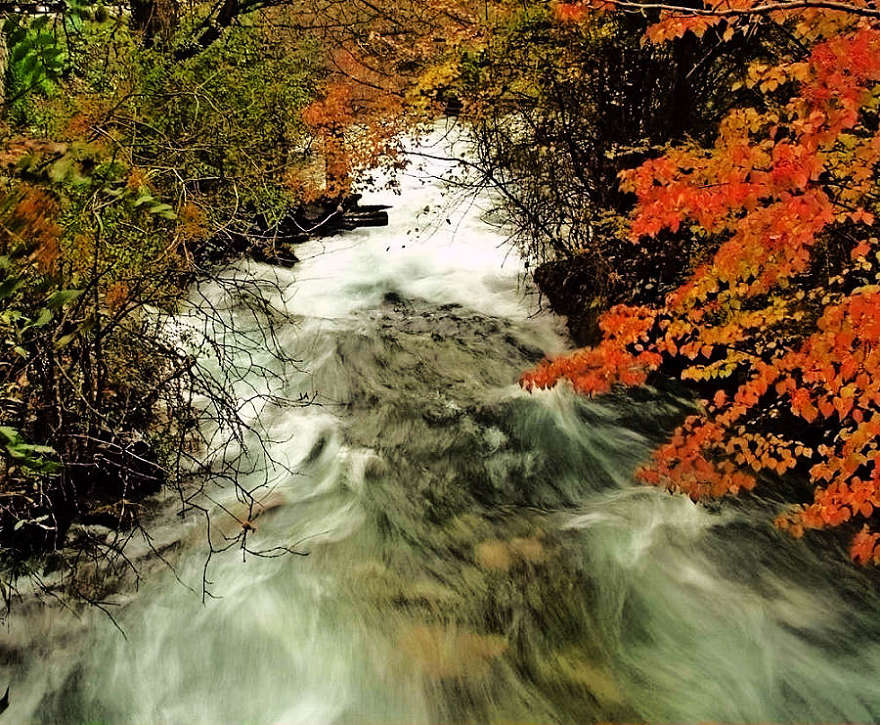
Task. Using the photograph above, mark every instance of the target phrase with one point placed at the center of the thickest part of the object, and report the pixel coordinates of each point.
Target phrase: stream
(476, 553)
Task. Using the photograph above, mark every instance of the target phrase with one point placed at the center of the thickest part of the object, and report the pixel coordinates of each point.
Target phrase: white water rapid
(476, 553)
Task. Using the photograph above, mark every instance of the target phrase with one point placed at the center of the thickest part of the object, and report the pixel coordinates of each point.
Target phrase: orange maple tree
(778, 322)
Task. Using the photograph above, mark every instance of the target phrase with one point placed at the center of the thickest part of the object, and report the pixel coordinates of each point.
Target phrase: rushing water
(477, 554)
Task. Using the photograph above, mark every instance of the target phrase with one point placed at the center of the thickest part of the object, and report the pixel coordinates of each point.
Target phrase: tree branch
(867, 11)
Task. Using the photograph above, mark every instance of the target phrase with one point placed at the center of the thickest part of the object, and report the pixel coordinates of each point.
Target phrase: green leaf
(22, 522)
(61, 169)
(16, 33)
(10, 286)
(21, 49)
(27, 454)
(9, 435)
(63, 297)
(44, 40)
(44, 318)
(34, 448)
(65, 340)
(143, 199)
(163, 210)
(29, 65)
(88, 325)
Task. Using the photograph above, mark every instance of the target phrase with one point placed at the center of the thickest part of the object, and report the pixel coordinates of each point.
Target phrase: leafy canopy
(778, 323)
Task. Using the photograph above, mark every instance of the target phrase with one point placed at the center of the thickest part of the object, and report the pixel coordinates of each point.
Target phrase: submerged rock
(449, 652)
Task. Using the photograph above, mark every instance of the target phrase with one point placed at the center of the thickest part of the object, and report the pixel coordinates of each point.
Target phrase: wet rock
(441, 412)
(279, 255)
(494, 555)
(570, 286)
(502, 555)
(571, 667)
(450, 652)
(327, 216)
(529, 549)
(93, 531)
(273, 243)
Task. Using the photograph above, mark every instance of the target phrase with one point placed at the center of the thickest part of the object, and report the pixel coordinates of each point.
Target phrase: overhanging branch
(868, 10)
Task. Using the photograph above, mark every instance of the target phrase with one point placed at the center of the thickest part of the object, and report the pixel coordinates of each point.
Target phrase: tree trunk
(154, 17)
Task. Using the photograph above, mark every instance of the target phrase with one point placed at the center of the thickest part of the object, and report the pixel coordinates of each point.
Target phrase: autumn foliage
(386, 70)
(778, 323)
